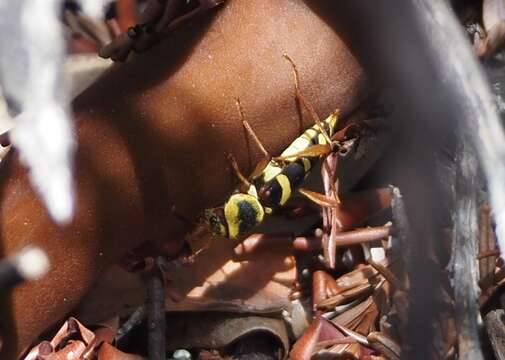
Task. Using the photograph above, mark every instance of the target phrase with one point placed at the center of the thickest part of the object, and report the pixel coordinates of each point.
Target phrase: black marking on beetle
(271, 193)
(295, 172)
(248, 216)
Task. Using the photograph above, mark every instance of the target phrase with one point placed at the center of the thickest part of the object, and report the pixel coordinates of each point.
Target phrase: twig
(134, 320)
(155, 307)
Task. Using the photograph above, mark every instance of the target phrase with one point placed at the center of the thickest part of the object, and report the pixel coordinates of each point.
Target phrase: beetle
(273, 181)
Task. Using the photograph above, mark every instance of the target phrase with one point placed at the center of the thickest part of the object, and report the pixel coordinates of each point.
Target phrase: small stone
(181, 354)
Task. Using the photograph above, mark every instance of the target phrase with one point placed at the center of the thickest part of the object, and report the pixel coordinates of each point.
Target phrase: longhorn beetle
(274, 179)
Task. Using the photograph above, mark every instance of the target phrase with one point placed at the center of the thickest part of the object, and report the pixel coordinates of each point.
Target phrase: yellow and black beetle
(273, 182)
(271, 188)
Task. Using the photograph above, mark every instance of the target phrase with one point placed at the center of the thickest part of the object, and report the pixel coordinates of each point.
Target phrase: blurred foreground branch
(420, 50)
(33, 83)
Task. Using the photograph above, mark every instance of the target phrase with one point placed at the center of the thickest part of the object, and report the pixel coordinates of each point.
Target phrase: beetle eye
(214, 221)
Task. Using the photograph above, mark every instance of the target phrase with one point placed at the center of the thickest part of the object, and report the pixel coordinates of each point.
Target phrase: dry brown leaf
(344, 296)
(74, 341)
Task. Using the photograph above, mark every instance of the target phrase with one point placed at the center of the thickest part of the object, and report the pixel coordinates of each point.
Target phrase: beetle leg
(306, 104)
(258, 170)
(245, 183)
(320, 199)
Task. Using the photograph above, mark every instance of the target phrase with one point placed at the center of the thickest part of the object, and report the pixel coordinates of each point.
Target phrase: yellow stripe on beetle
(306, 164)
(305, 140)
(286, 188)
(272, 170)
